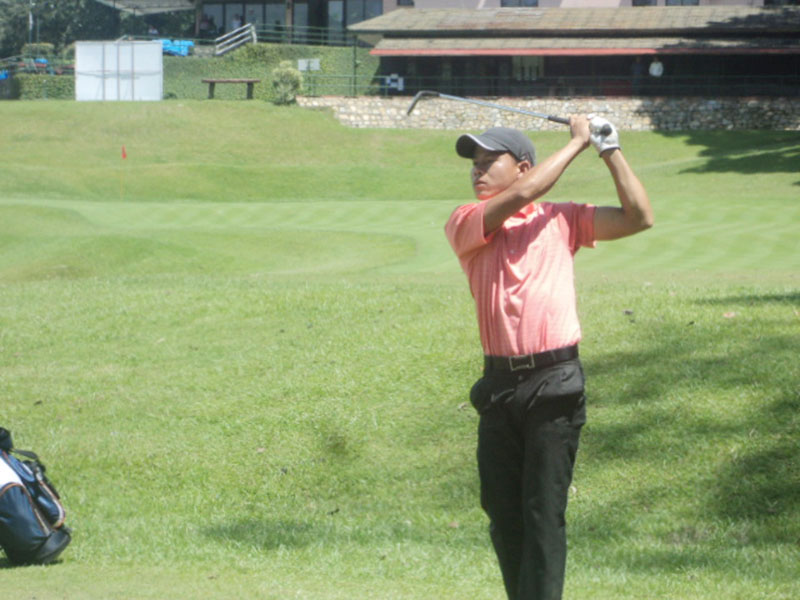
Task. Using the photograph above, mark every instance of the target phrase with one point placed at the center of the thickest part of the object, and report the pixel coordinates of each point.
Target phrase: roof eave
(138, 8)
(454, 52)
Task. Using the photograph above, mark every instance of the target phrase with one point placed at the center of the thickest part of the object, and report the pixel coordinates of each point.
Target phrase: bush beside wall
(35, 86)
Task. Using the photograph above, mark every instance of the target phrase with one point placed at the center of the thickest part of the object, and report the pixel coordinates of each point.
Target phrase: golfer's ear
(523, 166)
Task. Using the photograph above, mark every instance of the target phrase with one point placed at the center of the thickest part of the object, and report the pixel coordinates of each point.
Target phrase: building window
(405, 2)
(361, 10)
(300, 22)
(254, 13)
(336, 32)
(644, 2)
(233, 16)
(275, 17)
(527, 68)
(213, 20)
(519, 2)
(683, 2)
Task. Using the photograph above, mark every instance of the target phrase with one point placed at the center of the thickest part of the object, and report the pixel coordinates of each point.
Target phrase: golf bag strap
(26, 454)
(8, 445)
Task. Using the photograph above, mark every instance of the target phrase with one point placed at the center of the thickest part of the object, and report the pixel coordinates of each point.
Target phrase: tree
(59, 22)
(13, 26)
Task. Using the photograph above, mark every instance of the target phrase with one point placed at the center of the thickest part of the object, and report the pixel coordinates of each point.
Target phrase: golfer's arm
(533, 184)
(634, 214)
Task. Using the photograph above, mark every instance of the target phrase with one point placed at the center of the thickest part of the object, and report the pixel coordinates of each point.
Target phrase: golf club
(431, 94)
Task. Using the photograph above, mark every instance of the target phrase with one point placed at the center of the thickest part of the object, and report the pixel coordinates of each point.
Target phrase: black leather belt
(529, 361)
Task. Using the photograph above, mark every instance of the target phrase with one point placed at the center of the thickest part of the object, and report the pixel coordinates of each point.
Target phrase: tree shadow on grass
(754, 299)
(764, 482)
(746, 152)
(682, 360)
(268, 534)
(755, 488)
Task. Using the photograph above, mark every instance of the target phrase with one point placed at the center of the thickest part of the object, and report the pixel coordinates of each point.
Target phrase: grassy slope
(244, 351)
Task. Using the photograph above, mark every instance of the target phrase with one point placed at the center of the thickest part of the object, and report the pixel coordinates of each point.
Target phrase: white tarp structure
(121, 70)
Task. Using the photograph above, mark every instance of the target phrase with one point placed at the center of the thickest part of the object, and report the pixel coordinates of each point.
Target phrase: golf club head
(420, 94)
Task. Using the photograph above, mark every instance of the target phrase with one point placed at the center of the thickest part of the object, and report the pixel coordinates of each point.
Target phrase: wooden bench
(250, 83)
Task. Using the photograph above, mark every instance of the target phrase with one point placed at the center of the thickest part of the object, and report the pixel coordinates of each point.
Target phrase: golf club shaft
(531, 113)
(605, 131)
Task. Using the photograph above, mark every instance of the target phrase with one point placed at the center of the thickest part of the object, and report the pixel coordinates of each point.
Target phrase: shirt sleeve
(464, 229)
(579, 219)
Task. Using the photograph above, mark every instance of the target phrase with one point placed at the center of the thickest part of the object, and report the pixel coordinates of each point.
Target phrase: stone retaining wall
(626, 113)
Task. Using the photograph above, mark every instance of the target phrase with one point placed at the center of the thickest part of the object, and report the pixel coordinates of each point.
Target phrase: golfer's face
(492, 172)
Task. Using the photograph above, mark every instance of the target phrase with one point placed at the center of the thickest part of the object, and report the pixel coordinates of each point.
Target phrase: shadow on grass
(683, 360)
(753, 299)
(269, 534)
(765, 482)
(272, 534)
(747, 458)
(7, 564)
(746, 152)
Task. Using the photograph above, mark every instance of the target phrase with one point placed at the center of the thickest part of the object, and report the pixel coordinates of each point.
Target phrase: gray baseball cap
(498, 139)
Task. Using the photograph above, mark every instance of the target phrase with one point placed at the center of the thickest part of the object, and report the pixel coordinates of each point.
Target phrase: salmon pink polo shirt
(522, 274)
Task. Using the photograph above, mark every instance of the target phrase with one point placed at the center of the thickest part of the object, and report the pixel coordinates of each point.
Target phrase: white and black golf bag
(32, 529)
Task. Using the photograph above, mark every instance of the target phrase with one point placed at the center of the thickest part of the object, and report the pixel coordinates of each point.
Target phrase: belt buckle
(517, 363)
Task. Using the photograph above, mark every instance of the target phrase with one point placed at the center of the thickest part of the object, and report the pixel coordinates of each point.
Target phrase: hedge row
(35, 86)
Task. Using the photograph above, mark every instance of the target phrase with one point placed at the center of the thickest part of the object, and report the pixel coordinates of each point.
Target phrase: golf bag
(32, 529)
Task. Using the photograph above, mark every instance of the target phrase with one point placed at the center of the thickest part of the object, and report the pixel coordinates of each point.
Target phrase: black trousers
(530, 423)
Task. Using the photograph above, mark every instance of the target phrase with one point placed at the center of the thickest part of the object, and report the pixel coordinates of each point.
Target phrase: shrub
(68, 53)
(286, 83)
(37, 50)
(36, 86)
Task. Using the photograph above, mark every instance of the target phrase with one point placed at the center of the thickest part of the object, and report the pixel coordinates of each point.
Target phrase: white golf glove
(602, 141)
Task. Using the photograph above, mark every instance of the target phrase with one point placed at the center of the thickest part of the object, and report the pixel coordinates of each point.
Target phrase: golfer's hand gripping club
(603, 135)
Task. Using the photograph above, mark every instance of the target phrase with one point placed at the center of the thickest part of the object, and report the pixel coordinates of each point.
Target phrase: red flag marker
(124, 154)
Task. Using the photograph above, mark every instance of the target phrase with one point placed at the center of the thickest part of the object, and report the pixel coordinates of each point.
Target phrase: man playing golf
(517, 253)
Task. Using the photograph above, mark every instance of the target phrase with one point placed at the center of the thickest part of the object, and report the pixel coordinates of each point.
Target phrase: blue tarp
(177, 47)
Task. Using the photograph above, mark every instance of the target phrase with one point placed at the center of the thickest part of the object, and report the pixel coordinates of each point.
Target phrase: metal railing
(246, 34)
(593, 86)
(312, 36)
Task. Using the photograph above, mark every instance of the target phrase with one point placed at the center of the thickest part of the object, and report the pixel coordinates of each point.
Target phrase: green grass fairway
(244, 353)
